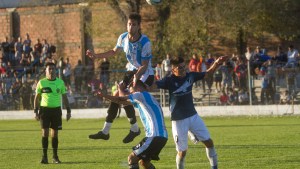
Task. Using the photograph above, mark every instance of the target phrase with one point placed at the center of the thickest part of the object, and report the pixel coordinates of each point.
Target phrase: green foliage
(241, 142)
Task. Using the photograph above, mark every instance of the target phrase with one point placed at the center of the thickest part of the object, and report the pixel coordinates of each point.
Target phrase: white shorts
(193, 125)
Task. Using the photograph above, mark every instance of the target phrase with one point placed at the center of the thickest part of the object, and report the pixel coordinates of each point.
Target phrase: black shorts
(149, 148)
(128, 77)
(51, 118)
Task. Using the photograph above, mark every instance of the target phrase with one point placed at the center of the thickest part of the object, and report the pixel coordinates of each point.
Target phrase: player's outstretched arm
(106, 54)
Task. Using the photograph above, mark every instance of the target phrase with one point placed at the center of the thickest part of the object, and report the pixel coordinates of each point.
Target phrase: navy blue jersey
(180, 94)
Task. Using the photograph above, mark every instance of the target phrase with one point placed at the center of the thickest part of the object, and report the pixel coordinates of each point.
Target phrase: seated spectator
(243, 97)
(233, 97)
(224, 98)
(285, 97)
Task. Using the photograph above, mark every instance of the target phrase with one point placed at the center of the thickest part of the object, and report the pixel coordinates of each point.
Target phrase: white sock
(212, 156)
(179, 162)
(134, 127)
(106, 128)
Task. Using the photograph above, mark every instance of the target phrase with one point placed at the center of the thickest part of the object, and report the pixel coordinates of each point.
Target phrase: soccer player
(137, 48)
(185, 120)
(47, 109)
(152, 118)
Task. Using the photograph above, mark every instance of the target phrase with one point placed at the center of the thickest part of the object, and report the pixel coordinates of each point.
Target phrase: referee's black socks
(54, 146)
(45, 145)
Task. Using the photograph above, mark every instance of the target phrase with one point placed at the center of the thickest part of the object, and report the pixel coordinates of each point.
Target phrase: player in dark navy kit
(47, 108)
(185, 119)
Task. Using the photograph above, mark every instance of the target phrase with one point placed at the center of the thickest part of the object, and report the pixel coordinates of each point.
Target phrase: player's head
(137, 86)
(134, 23)
(178, 66)
(50, 70)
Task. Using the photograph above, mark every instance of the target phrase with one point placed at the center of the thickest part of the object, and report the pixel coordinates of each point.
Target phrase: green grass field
(241, 142)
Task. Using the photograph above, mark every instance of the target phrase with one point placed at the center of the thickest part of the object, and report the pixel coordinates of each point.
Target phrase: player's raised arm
(106, 54)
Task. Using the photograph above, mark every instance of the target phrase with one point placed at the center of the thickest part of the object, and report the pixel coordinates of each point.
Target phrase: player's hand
(36, 112)
(68, 116)
(222, 59)
(90, 54)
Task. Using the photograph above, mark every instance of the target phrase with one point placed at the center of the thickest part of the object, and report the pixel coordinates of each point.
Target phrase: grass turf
(241, 142)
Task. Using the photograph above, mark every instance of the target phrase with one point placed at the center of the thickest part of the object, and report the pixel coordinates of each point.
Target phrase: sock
(106, 127)
(54, 146)
(45, 145)
(212, 157)
(179, 162)
(134, 127)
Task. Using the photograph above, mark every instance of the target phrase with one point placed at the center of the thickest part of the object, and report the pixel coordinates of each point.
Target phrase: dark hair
(49, 64)
(141, 84)
(135, 16)
(176, 60)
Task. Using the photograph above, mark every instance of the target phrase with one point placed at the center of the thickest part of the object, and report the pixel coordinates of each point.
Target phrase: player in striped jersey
(152, 118)
(137, 48)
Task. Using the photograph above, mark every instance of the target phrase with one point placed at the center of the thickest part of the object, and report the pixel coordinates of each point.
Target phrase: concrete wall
(203, 111)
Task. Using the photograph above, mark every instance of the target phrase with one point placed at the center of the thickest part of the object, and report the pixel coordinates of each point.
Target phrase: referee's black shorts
(51, 118)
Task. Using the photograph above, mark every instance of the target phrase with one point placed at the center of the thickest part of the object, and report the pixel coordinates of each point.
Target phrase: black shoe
(99, 135)
(44, 160)
(55, 160)
(130, 136)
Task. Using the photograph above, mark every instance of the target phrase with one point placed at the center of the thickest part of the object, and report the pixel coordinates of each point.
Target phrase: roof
(30, 3)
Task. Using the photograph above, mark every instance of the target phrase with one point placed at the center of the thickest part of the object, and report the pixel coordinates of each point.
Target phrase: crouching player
(152, 118)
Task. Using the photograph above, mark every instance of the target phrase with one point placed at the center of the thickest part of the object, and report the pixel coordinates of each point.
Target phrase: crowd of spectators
(231, 79)
(21, 66)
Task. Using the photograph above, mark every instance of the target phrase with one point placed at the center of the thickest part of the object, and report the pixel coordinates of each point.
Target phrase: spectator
(241, 73)
(67, 73)
(25, 92)
(158, 71)
(19, 50)
(166, 65)
(280, 57)
(209, 78)
(27, 45)
(233, 97)
(78, 76)
(5, 50)
(12, 51)
(226, 69)
(193, 63)
(285, 97)
(38, 46)
(114, 88)
(193, 66)
(224, 98)
(218, 79)
(104, 71)
(201, 67)
(243, 97)
(292, 56)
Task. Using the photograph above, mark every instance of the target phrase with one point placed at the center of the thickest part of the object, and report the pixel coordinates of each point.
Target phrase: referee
(47, 109)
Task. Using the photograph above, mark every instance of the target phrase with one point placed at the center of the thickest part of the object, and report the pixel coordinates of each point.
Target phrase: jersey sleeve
(146, 51)
(198, 75)
(163, 83)
(38, 89)
(120, 43)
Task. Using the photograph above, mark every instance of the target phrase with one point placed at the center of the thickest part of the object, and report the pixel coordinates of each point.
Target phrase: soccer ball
(154, 2)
